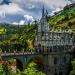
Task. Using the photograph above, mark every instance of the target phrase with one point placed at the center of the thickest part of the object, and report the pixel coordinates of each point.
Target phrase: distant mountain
(8, 28)
(64, 19)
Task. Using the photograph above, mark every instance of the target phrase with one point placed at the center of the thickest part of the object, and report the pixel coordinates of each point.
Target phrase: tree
(1, 69)
(5, 68)
(73, 68)
(31, 70)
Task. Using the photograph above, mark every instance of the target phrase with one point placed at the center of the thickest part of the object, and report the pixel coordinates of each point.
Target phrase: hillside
(17, 37)
(64, 19)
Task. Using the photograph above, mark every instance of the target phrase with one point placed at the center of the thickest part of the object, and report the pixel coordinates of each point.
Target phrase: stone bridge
(51, 60)
(23, 58)
(47, 59)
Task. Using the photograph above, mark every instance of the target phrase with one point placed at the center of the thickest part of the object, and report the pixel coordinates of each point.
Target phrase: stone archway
(19, 64)
(39, 60)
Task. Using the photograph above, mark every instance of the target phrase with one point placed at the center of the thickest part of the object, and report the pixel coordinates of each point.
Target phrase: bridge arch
(39, 60)
(19, 64)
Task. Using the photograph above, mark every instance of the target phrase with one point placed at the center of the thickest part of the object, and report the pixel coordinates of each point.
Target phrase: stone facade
(57, 45)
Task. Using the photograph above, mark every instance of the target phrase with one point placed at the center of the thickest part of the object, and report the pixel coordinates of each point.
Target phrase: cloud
(9, 12)
(31, 7)
(50, 3)
(56, 10)
(72, 1)
(34, 6)
(1, 1)
(15, 23)
(28, 17)
(19, 11)
(11, 8)
(22, 22)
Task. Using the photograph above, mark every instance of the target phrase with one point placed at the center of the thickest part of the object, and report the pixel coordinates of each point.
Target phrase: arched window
(55, 60)
(39, 47)
(64, 59)
(50, 49)
(43, 48)
(47, 49)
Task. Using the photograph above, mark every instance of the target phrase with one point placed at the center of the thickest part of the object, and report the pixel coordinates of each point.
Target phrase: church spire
(46, 12)
(43, 11)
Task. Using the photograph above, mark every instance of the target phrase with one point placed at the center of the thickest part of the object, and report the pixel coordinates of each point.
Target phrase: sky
(23, 11)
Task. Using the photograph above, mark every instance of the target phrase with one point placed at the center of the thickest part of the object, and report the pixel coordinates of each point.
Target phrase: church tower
(43, 24)
(43, 30)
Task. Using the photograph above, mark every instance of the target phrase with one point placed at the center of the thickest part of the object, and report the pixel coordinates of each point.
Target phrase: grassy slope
(65, 18)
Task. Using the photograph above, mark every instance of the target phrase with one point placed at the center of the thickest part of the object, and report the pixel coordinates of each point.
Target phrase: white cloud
(51, 4)
(11, 8)
(28, 17)
(22, 22)
(15, 23)
(18, 6)
(56, 10)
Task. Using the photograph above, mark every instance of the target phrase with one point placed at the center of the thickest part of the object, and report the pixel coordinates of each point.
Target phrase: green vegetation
(30, 70)
(18, 38)
(73, 68)
(2, 30)
(64, 19)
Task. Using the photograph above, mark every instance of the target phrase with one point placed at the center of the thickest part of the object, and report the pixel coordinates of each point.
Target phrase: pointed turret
(46, 13)
(43, 11)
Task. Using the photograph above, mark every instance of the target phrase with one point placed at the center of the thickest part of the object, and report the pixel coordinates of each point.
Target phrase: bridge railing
(36, 51)
(15, 53)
